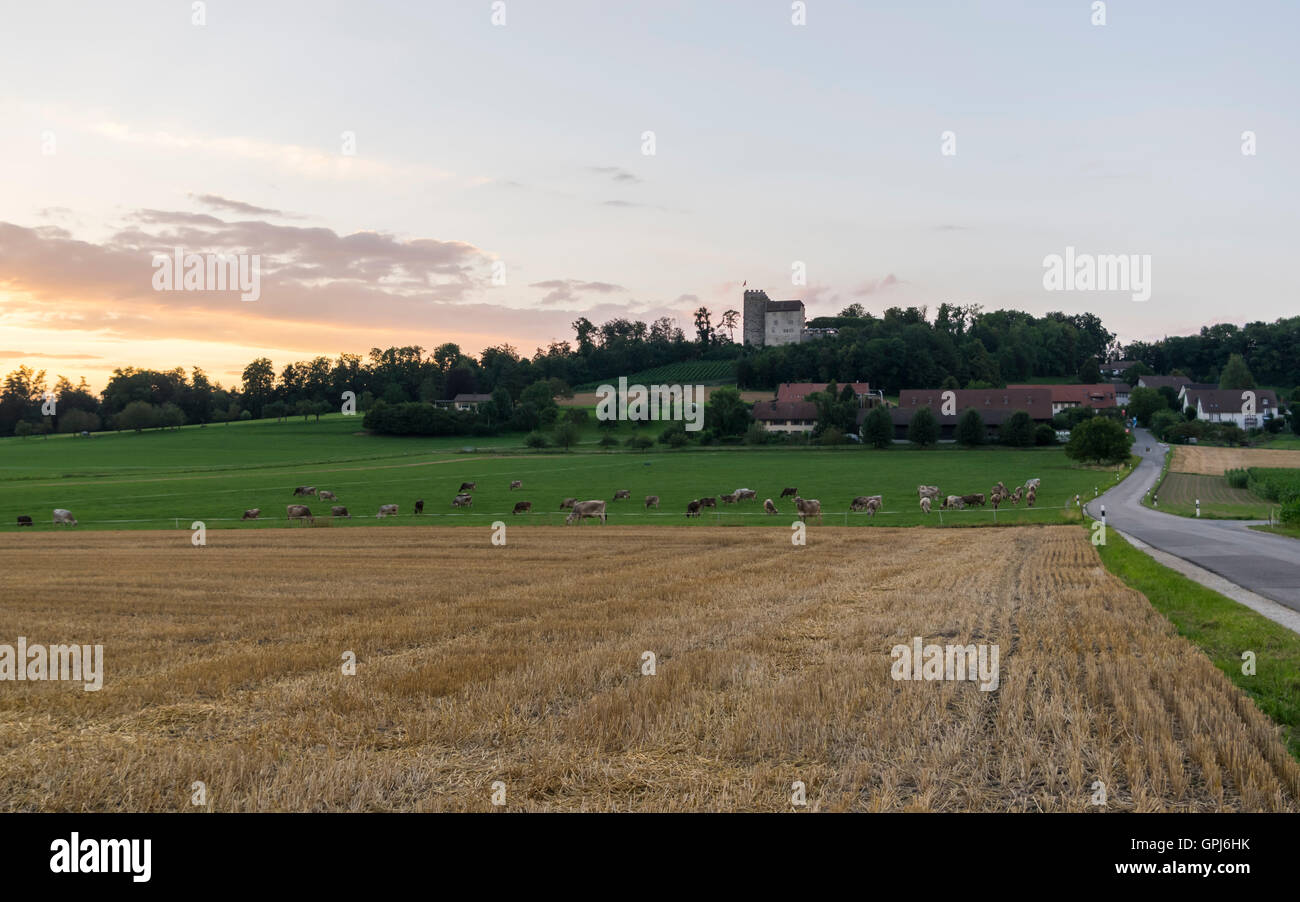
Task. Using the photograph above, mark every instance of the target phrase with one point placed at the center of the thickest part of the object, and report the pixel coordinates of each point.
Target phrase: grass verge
(1223, 629)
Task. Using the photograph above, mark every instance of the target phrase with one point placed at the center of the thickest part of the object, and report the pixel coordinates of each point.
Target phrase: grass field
(523, 664)
(172, 478)
(1179, 492)
(698, 372)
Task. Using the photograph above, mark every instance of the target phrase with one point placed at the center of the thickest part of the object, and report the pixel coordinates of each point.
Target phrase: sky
(387, 160)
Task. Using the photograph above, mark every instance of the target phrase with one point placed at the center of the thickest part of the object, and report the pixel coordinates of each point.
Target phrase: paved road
(1259, 561)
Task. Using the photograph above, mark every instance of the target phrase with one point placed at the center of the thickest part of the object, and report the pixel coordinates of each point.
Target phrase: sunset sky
(125, 130)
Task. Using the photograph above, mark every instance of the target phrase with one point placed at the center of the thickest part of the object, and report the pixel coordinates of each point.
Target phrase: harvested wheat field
(1213, 461)
(523, 664)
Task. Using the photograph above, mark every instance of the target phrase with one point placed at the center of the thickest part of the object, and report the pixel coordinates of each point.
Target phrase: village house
(793, 412)
(1231, 405)
(1064, 397)
(995, 406)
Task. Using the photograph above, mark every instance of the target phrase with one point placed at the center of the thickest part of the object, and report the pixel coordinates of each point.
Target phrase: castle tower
(755, 312)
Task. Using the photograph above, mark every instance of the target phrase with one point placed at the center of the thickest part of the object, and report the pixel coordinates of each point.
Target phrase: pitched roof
(994, 404)
(797, 391)
(465, 396)
(1162, 381)
(1230, 400)
(778, 306)
(785, 410)
(1100, 394)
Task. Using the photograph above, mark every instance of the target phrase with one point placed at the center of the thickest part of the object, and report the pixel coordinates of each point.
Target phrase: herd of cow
(581, 510)
(999, 493)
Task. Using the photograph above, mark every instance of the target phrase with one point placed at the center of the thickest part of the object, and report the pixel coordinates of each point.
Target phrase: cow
(386, 510)
(974, 499)
(995, 500)
(728, 499)
(808, 507)
(522, 507)
(24, 520)
(999, 489)
(567, 503)
(252, 513)
(64, 516)
(466, 487)
(324, 495)
(622, 493)
(927, 491)
(584, 509)
(1030, 498)
(745, 494)
(419, 507)
(925, 505)
(1033, 483)
(869, 503)
(709, 502)
(789, 492)
(305, 490)
(1015, 496)
(339, 510)
(516, 484)
(952, 502)
(693, 508)
(463, 501)
(769, 507)
(299, 512)
(652, 501)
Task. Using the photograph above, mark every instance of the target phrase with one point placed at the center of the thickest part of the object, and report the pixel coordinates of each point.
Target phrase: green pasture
(159, 479)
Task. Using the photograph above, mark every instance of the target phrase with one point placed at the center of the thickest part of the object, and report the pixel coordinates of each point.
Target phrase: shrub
(536, 440)
(924, 428)
(607, 441)
(1018, 430)
(1099, 439)
(970, 428)
(1290, 515)
(1044, 435)
(756, 435)
(1238, 479)
(639, 442)
(832, 436)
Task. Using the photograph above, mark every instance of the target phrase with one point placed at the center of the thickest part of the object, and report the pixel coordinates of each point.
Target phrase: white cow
(64, 517)
(387, 510)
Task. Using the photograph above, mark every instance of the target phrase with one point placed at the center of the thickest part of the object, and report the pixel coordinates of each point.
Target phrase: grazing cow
(1030, 498)
(873, 505)
(728, 499)
(339, 510)
(927, 491)
(1016, 495)
(298, 512)
(925, 505)
(419, 507)
(769, 507)
(64, 516)
(869, 503)
(952, 503)
(522, 507)
(324, 495)
(745, 494)
(1033, 483)
(252, 513)
(709, 502)
(568, 503)
(24, 520)
(305, 490)
(808, 507)
(516, 484)
(622, 493)
(974, 499)
(466, 487)
(387, 510)
(789, 492)
(463, 501)
(693, 508)
(995, 500)
(584, 509)
(1000, 489)
(652, 501)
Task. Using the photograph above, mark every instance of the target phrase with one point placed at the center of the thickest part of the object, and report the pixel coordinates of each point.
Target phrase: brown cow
(466, 487)
(305, 490)
(419, 507)
(584, 509)
(709, 502)
(387, 510)
(252, 513)
(693, 509)
(652, 501)
(622, 493)
(808, 507)
(864, 503)
(463, 501)
(339, 510)
(325, 495)
(522, 507)
(789, 492)
(299, 512)
(769, 507)
(568, 503)
(728, 499)
(516, 484)
(745, 494)
(973, 499)
(925, 505)
(927, 491)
